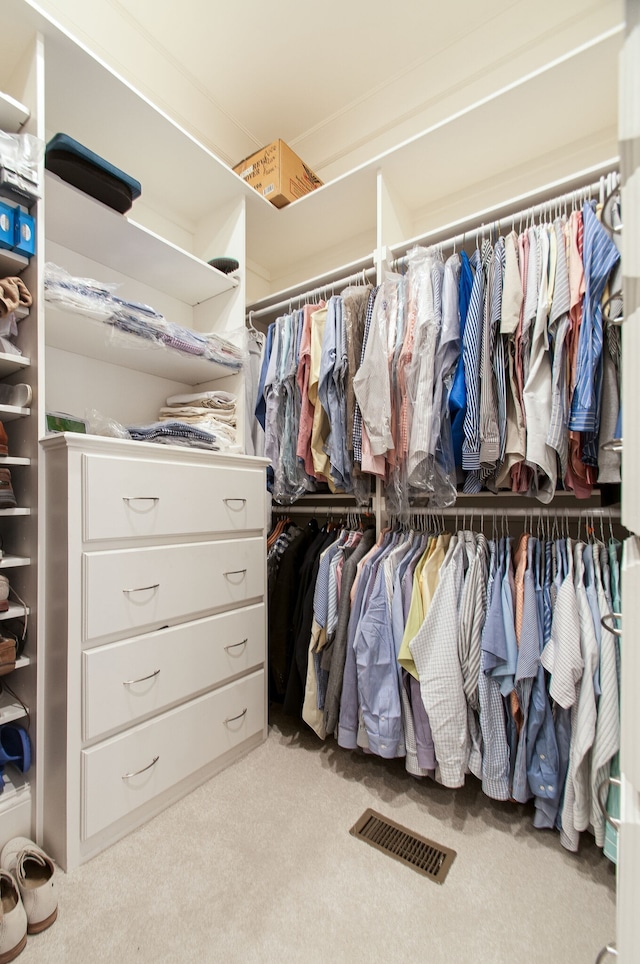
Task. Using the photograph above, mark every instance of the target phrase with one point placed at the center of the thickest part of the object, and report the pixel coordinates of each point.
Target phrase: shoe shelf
(14, 611)
(15, 512)
(10, 412)
(13, 460)
(16, 786)
(11, 709)
(11, 263)
(22, 662)
(13, 562)
(10, 363)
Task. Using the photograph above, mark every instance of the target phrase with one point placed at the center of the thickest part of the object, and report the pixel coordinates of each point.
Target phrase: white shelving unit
(192, 209)
(80, 223)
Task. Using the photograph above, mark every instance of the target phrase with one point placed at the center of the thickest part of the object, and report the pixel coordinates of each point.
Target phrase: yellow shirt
(416, 613)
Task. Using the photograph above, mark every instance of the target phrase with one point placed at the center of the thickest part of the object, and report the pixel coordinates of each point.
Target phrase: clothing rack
(360, 277)
(332, 509)
(493, 217)
(517, 513)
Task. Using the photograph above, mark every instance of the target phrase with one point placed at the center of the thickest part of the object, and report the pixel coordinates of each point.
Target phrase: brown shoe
(7, 497)
(7, 655)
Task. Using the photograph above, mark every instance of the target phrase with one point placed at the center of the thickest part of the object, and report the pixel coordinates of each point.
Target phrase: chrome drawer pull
(142, 588)
(235, 572)
(130, 682)
(236, 499)
(140, 498)
(242, 642)
(604, 621)
(602, 803)
(230, 719)
(127, 776)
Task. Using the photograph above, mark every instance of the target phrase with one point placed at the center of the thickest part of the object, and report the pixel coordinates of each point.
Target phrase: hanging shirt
(371, 382)
(538, 387)
(495, 757)
(471, 347)
(512, 301)
(435, 652)
(599, 257)
(558, 329)
(357, 414)
(458, 394)
(305, 428)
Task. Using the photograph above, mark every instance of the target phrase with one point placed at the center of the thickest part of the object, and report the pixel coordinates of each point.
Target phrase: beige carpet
(258, 866)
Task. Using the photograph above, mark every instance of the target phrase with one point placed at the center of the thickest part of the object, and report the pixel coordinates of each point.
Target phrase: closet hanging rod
(321, 510)
(598, 512)
(362, 276)
(502, 214)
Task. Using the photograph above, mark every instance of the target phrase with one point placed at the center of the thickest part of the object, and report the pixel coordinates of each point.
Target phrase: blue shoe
(15, 747)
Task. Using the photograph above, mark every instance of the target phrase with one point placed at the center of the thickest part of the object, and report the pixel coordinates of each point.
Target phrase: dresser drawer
(137, 498)
(127, 771)
(126, 589)
(124, 681)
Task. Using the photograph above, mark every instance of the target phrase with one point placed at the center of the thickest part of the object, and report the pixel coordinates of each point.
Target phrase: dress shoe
(13, 919)
(34, 871)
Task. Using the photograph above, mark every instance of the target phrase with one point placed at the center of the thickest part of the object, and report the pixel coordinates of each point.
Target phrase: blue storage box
(24, 233)
(6, 225)
(89, 172)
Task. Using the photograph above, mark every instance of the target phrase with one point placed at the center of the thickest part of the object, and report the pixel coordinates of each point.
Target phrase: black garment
(281, 608)
(294, 696)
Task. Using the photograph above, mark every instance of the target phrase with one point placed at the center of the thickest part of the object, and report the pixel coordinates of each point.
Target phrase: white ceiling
(340, 81)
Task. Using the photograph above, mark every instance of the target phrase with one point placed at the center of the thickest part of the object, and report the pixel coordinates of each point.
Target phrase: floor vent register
(423, 855)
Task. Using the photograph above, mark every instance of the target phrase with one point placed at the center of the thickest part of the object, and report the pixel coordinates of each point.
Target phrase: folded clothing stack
(201, 419)
(98, 301)
(212, 411)
(175, 433)
(15, 297)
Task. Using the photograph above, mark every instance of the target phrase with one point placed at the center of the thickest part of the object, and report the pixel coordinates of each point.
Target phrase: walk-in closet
(318, 514)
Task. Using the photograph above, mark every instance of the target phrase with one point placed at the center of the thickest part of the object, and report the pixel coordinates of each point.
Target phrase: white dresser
(155, 641)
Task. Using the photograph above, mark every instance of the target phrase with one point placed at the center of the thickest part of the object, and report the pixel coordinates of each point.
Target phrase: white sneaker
(13, 919)
(19, 395)
(34, 871)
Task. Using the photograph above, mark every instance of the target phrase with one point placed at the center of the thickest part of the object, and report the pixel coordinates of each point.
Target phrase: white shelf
(77, 221)
(10, 709)
(16, 785)
(11, 263)
(13, 460)
(81, 335)
(22, 662)
(10, 512)
(14, 611)
(13, 562)
(12, 363)
(8, 413)
(184, 178)
(13, 114)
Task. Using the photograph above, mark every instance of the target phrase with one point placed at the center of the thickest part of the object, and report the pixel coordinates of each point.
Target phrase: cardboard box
(278, 174)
